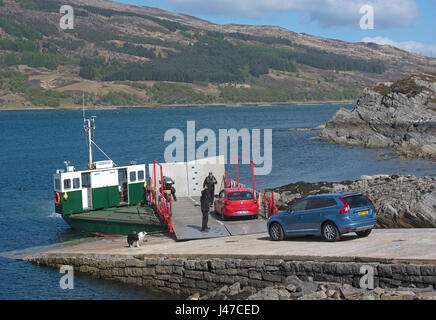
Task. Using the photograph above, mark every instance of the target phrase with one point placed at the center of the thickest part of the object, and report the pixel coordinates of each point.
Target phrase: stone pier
(398, 258)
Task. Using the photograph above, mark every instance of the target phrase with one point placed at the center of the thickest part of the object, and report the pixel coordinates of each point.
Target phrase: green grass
(118, 98)
(170, 93)
(382, 89)
(19, 30)
(17, 82)
(137, 85)
(14, 81)
(247, 95)
(349, 91)
(50, 98)
(18, 45)
(38, 60)
(406, 86)
(201, 83)
(34, 59)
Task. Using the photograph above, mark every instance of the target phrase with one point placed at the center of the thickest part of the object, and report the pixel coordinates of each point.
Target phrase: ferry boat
(106, 199)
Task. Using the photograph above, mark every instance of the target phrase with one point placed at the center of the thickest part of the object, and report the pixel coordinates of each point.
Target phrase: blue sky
(407, 24)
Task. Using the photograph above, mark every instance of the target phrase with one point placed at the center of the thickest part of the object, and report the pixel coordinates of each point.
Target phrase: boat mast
(89, 126)
(88, 130)
(89, 133)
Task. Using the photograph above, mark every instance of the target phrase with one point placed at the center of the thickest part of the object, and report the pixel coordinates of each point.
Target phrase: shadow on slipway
(310, 238)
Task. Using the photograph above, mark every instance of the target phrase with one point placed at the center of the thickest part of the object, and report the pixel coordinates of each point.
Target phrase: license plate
(168, 191)
(362, 213)
(241, 212)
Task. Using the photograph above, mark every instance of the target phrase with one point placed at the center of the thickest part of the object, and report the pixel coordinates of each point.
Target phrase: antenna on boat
(83, 104)
(88, 131)
(89, 126)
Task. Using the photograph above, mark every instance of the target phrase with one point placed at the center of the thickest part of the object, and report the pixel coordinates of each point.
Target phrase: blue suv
(326, 215)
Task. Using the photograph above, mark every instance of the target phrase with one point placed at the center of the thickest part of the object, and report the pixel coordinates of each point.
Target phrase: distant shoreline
(311, 103)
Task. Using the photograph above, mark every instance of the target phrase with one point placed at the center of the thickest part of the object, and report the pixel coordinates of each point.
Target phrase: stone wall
(187, 275)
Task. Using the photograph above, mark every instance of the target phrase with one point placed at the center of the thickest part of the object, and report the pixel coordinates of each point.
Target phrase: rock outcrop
(293, 288)
(401, 201)
(400, 115)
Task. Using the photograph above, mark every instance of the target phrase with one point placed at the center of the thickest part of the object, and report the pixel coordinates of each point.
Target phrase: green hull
(117, 221)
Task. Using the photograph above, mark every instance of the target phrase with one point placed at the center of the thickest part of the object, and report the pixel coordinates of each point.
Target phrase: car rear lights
(345, 208)
(227, 203)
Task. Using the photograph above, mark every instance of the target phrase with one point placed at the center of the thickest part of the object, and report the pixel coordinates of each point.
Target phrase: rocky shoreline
(293, 288)
(399, 115)
(401, 201)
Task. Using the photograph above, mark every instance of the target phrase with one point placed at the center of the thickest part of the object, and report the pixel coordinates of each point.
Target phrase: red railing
(269, 204)
(265, 198)
(159, 202)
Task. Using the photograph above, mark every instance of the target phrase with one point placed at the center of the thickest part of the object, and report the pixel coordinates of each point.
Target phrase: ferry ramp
(187, 219)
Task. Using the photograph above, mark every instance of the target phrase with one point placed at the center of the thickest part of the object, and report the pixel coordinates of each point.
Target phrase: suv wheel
(276, 232)
(330, 232)
(363, 234)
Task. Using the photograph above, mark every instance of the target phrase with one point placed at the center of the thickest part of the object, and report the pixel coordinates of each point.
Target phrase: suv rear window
(240, 196)
(318, 203)
(357, 201)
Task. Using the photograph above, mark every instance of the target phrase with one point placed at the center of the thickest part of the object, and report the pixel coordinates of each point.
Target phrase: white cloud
(424, 49)
(388, 13)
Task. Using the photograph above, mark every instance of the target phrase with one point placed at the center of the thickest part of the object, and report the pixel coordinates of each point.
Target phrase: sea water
(35, 144)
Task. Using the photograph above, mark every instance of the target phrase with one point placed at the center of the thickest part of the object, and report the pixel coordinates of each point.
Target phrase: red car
(236, 202)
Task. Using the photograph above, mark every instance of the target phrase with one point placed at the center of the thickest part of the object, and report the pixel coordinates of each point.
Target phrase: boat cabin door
(86, 191)
(122, 185)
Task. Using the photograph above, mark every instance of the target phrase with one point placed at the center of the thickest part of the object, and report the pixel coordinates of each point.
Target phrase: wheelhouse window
(67, 184)
(86, 180)
(133, 176)
(57, 184)
(76, 183)
(140, 175)
(122, 175)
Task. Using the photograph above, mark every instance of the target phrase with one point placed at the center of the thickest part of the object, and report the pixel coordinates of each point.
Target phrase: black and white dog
(136, 238)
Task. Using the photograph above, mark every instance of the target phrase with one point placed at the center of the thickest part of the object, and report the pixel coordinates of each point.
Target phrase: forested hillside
(126, 55)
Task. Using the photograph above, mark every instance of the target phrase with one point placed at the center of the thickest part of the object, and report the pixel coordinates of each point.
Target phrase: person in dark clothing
(204, 202)
(210, 183)
(169, 186)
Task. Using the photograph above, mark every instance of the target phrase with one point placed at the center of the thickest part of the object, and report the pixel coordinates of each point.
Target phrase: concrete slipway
(187, 222)
(398, 258)
(383, 245)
